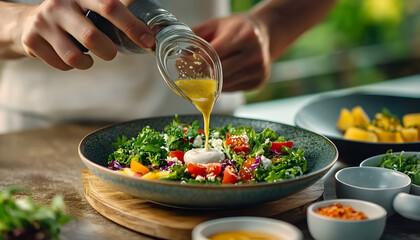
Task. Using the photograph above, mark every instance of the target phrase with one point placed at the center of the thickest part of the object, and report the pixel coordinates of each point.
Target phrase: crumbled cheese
(175, 160)
(245, 136)
(183, 182)
(216, 143)
(165, 136)
(267, 140)
(163, 147)
(211, 178)
(216, 134)
(265, 162)
(199, 178)
(198, 141)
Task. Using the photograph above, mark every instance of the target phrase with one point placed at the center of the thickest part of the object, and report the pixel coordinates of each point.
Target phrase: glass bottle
(180, 54)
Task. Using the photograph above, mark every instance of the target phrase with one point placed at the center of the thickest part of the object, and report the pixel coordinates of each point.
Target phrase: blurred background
(360, 42)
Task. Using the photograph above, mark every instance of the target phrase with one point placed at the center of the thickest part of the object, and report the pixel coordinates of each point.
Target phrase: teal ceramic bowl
(321, 154)
(320, 115)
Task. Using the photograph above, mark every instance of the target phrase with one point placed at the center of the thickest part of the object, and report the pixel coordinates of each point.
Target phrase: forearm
(285, 20)
(10, 30)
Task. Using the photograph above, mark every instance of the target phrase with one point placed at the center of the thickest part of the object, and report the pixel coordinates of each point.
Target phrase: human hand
(243, 48)
(44, 31)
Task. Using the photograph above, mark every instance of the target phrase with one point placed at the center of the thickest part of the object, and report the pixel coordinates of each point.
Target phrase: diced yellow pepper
(128, 171)
(410, 134)
(359, 134)
(345, 120)
(385, 136)
(156, 175)
(360, 118)
(398, 137)
(411, 120)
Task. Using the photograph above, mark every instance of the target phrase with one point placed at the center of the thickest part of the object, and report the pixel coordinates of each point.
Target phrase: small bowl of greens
(405, 162)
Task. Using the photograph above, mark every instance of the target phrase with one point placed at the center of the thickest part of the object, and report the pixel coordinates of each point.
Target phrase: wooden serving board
(173, 223)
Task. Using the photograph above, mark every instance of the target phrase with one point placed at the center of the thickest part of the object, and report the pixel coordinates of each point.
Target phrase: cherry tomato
(201, 131)
(230, 176)
(213, 169)
(239, 144)
(177, 154)
(277, 146)
(246, 173)
(196, 169)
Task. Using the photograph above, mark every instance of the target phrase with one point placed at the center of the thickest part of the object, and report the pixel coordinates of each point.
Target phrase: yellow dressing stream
(201, 92)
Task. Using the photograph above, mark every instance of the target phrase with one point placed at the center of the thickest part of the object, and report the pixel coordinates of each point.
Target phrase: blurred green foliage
(350, 23)
(353, 23)
(387, 29)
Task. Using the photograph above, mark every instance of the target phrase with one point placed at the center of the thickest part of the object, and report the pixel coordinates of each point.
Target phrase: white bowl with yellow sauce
(238, 227)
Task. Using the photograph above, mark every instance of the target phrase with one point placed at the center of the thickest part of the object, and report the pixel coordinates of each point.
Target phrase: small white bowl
(375, 161)
(373, 184)
(408, 206)
(328, 228)
(281, 229)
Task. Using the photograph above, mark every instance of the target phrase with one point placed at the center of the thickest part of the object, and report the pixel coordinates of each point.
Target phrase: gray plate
(321, 116)
(321, 154)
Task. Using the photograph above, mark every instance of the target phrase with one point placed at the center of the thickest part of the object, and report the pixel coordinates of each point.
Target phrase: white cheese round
(203, 156)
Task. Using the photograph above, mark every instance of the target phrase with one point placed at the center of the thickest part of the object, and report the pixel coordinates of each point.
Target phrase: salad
(250, 157)
(409, 165)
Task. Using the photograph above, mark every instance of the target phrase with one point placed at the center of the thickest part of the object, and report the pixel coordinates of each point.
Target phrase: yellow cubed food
(360, 118)
(386, 136)
(345, 120)
(398, 137)
(411, 120)
(156, 175)
(359, 134)
(410, 134)
(128, 171)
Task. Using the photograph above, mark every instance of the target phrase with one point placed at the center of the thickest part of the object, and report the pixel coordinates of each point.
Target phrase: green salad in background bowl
(405, 162)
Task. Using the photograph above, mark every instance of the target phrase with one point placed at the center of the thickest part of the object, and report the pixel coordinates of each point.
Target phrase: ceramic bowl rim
(404, 176)
(347, 201)
(201, 186)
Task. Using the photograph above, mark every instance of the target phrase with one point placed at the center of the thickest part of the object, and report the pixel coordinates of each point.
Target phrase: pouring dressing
(202, 93)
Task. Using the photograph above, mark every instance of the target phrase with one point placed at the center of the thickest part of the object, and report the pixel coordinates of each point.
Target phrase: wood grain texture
(173, 223)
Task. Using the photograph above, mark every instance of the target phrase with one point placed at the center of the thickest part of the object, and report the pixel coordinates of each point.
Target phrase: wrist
(11, 31)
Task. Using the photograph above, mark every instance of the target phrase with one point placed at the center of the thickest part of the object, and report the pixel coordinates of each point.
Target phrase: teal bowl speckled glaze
(321, 154)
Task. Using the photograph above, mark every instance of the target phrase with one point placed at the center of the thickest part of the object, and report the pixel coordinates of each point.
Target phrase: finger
(67, 50)
(82, 29)
(206, 30)
(46, 53)
(233, 41)
(119, 15)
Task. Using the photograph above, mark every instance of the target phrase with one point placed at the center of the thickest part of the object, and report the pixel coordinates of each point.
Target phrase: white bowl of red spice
(346, 219)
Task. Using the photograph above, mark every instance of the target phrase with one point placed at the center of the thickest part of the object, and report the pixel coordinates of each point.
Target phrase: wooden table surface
(46, 162)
